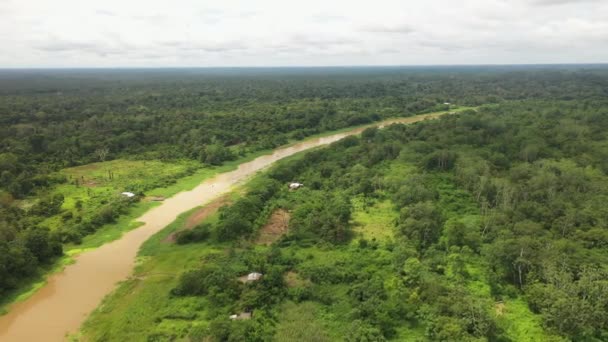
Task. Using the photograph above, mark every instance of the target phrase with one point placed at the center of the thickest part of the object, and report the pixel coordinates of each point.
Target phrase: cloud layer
(138, 33)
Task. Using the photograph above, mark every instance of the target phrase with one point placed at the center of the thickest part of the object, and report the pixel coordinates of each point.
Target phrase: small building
(447, 103)
(128, 194)
(254, 276)
(251, 277)
(242, 315)
(295, 185)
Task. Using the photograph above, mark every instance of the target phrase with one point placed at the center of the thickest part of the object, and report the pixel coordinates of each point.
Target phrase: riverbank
(113, 231)
(316, 298)
(81, 285)
(127, 222)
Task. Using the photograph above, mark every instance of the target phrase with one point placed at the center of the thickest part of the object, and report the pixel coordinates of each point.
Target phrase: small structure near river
(295, 186)
(251, 277)
(241, 316)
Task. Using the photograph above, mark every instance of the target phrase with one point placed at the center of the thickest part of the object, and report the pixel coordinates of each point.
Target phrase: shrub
(197, 234)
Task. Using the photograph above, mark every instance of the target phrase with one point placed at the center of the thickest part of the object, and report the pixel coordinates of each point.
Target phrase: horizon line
(308, 66)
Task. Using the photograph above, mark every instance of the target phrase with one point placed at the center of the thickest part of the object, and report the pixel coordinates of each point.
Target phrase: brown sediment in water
(69, 296)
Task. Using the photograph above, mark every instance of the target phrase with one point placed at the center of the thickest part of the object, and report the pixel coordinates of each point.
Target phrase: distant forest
(53, 119)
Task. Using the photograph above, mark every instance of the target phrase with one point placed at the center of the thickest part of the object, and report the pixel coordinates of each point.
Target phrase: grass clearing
(521, 324)
(374, 222)
(90, 186)
(298, 322)
(127, 175)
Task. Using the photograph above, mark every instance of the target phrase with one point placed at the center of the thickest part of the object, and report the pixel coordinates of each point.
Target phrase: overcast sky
(148, 33)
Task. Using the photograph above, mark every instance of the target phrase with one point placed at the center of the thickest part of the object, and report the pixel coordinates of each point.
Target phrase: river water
(60, 306)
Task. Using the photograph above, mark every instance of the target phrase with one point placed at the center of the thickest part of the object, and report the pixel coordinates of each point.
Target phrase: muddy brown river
(60, 307)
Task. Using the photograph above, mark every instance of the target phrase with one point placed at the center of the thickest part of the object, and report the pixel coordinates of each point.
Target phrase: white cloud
(400, 29)
(75, 33)
(562, 2)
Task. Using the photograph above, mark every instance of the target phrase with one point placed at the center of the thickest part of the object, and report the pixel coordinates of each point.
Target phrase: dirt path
(200, 215)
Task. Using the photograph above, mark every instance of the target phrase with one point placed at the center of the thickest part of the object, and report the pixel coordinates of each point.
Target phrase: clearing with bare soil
(277, 226)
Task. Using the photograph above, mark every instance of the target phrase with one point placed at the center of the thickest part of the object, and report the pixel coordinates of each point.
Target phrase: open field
(90, 186)
(374, 222)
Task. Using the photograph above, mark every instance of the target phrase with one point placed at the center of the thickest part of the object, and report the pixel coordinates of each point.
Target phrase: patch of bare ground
(200, 215)
(273, 230)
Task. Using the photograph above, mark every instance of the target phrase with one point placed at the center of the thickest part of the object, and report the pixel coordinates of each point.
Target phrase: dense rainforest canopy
(498, 204)
(485, 225)
(490, 207)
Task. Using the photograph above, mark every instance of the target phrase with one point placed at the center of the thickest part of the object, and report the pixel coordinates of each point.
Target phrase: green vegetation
(144, 303)
(72, 141)
(91, 198)
(372, 223)
(443, 230)
(93, 188)
(484, 225)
